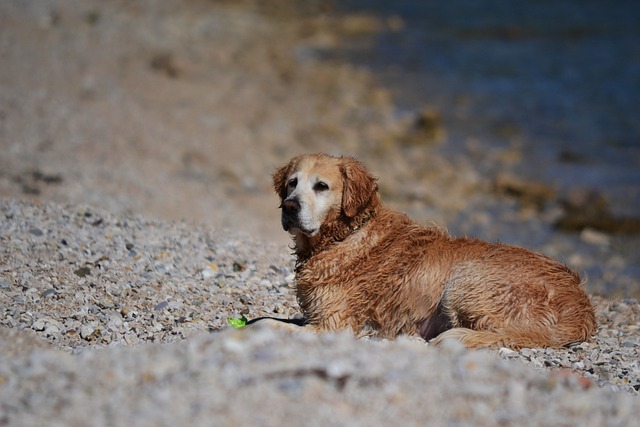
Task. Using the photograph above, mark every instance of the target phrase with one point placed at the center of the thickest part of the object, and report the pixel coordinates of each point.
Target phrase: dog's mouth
(298, 229)
(293, 226)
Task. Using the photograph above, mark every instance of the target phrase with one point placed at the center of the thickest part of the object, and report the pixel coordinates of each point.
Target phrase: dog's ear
(280, 178)
(359, 186)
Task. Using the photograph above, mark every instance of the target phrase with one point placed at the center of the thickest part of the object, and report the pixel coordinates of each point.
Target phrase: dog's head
(316, 188)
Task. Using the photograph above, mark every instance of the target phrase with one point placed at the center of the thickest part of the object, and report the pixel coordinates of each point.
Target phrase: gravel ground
(84, 278)
(181, 110)
(260, 377)
(79, 286)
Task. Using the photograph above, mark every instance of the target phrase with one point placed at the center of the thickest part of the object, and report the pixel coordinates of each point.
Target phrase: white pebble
(595, 238)
(86, 331)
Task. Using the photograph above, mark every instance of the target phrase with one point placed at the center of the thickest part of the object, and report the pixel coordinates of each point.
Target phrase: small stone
(565, 362)
(339, 368)
(264, 283)
(4, 284)
(131, 339)
(531, 193)
(35, 231)
(115, 321)
(527, 352)
(210, 270)
(49, 293)
(427, 128)
(39, 325)
(86, 331)
(239, 266)
(595, 238)
(537, 362)
(166, 63)
(161, 306)
(507, 353)
(51, 330)
(82, 272)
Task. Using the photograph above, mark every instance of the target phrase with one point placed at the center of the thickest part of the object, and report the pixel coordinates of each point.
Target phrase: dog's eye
(292, 183)
(321, 186)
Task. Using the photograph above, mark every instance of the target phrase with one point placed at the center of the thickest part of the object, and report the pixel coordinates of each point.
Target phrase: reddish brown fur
(375, 271)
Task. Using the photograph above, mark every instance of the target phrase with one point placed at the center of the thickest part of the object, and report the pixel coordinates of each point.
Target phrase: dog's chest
(341, 262)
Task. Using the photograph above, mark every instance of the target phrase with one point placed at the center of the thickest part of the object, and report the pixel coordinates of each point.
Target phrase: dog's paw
(453, 339)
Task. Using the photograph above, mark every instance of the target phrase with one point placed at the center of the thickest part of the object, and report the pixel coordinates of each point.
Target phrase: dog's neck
(331, 232)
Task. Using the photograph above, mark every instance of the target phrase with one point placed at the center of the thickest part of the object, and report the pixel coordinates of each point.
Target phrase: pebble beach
(137, 217)
(113, 319)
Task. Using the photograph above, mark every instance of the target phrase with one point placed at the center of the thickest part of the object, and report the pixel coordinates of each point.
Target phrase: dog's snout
(290, 213)
(291, 206)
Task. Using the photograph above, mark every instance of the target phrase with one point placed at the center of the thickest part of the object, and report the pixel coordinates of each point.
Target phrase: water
(560, 79)
(557, 80)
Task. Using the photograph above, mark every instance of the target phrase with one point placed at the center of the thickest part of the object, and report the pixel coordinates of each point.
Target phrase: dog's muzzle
(290, 210)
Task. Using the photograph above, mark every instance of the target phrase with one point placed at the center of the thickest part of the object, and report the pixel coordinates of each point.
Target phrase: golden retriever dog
(364, 267)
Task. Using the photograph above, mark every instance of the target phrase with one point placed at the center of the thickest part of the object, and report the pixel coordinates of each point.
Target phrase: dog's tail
(514, 337)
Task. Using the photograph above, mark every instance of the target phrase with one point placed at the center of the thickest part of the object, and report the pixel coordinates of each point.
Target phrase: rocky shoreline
(142, 306)
(179, 112)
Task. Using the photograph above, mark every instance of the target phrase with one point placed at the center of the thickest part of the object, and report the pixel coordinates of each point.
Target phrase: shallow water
(560, 79)
(556, 81)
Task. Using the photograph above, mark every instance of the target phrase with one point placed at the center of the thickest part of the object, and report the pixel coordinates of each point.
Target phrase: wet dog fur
(369, 269)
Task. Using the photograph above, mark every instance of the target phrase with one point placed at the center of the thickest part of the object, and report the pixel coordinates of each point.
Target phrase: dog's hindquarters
(505, 299)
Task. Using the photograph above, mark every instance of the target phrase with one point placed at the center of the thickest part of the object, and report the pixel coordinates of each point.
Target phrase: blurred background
(510, 121)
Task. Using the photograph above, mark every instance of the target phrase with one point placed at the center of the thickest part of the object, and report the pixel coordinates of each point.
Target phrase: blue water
(561, 79)
(557, 79)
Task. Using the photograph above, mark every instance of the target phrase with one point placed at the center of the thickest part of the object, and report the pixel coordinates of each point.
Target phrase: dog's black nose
(291, 206)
